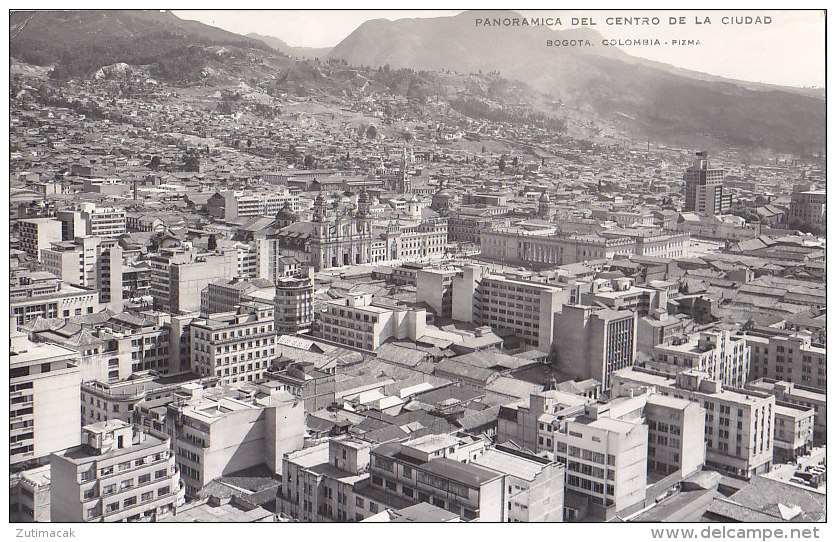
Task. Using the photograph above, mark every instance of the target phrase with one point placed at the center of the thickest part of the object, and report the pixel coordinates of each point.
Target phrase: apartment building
(116, 474)
(320, 483)
(43, 400)
(592, 342)
(789, 356)
(234, 346)
(739, 425)
(719, 353)
(102, 401)
(36, 234)
(219, 431)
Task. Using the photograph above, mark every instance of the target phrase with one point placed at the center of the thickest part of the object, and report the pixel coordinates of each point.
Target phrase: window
(108, 489)
(144, 479)
(130, 501)
(147, 496)
(163, 491)
(373, 508)
(159, 474)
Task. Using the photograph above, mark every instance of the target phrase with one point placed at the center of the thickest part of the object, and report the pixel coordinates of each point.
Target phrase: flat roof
(509, 464)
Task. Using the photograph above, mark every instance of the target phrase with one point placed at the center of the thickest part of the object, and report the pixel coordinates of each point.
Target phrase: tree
(155, 162)
(310, 162)
(502, 164)
(212, 243)
(371, 132)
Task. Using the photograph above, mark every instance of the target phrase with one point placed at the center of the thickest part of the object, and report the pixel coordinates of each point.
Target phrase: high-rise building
(704, 188)
(117, 473)
(91, 262)
(592, 342)
(45, 409)
(294, 304)
(606, 463)
(808, 207)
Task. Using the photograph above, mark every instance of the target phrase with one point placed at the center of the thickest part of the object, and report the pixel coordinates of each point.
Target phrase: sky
(788, 51)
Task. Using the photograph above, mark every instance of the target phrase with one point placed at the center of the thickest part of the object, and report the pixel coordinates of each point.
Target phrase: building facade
(116, 474)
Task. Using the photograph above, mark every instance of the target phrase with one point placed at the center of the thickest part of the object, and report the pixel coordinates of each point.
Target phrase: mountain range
(644, 99)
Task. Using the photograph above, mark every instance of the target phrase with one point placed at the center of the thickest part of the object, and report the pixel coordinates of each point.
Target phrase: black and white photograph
(417, 266)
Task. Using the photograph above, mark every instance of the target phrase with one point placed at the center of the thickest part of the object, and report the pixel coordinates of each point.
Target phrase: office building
(116, 474)
(91, 220)
(793, 432)
(234, 346)
(704, 188)
(592, 342)
(606, 463)
(178, 276)
(434, 286)
(740, 424)
(294, 304)
(44, 407)
(808, 207)
(223, 295)
(524, 307)
(675, 435)
(89, 262)
(528, 422)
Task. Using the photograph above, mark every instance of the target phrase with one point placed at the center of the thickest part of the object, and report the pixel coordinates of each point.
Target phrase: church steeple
(320, 210)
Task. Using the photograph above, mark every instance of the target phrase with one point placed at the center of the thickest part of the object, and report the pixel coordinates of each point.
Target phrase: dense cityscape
(251, 301)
